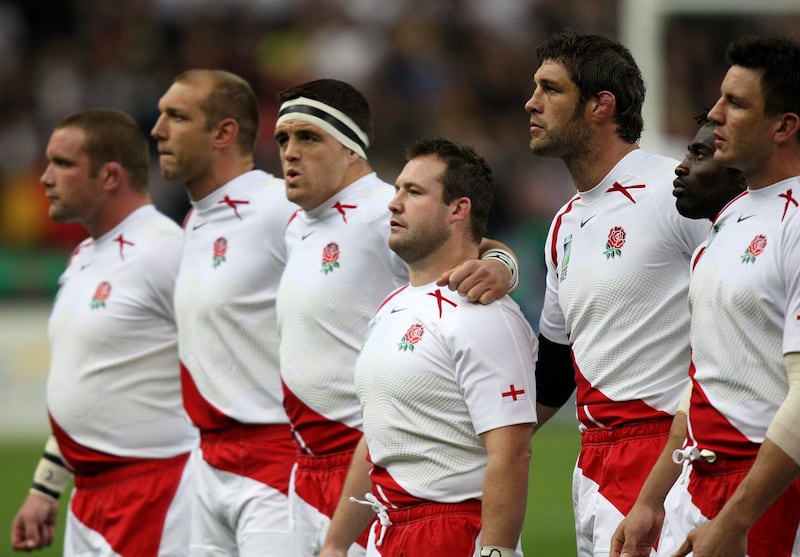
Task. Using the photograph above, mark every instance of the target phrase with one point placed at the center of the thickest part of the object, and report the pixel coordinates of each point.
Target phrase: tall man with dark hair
(338, 270)
(737, 490)
(225, 305)
(113, 392)
(615, 321)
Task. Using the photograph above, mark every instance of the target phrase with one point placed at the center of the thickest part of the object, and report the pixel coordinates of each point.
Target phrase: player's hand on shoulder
(34, 525)
(478, 280)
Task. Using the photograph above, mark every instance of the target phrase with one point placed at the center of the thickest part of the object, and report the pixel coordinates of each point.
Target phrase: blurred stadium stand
(455, 68)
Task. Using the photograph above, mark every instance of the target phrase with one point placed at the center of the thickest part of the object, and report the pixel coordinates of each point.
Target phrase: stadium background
(456, 68)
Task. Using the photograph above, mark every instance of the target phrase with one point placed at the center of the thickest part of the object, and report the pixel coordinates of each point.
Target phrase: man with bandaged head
(338, 271)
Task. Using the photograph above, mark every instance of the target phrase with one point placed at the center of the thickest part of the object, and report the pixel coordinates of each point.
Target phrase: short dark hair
(467, 175)
(599, 63)
(779, 61)
(338, 94)
(231, 96)
(113, 136)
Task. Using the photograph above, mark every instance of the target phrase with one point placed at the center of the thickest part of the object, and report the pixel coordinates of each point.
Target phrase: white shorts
(245, 513)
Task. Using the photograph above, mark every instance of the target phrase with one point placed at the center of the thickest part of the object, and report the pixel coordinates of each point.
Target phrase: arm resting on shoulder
(486, 279)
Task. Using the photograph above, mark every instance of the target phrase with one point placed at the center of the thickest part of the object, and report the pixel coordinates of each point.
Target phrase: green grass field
(548, 532)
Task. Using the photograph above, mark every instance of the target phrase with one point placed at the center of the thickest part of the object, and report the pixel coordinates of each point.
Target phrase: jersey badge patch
(755, 249)
(330, 258)
(513, 394)
(220, 249)
(565, 259)
(616, 239)
(101, 294)
(413, 336)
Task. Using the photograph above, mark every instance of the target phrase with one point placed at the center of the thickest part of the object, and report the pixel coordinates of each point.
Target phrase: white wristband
(51, 477)
(508, 260)
(497, 551)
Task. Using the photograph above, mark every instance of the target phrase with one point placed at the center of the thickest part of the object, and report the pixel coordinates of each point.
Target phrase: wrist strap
(497, 551)
(508, 260)
(51, 477)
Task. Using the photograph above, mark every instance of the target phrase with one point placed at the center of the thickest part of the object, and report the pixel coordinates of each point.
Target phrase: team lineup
(326, 364)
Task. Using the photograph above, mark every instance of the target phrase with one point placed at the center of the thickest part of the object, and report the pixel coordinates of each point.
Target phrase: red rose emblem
(413, 336)
(101, 294)
(755, 249)
(414, 333)
(616, 238)
(331, 253)
(330, 258)
(220, 247)
(103, 291)
(758, 244)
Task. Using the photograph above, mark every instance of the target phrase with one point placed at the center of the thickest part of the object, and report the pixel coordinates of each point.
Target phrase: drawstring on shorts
(380, 511)
(688, 455)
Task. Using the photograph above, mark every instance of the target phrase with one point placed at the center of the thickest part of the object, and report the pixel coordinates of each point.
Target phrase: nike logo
(583, 222)
(395, 310)
(84, 266)
(201, 225)
(741, 218)
(307, 235)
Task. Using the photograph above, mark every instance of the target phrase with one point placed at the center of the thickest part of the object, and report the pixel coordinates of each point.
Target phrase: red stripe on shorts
(128, 504)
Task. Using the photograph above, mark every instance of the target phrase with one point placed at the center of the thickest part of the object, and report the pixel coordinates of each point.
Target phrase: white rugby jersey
(225, 293)
(114, 382)
(435, 372)
(617, 261)
(745, 303)
(339, 270)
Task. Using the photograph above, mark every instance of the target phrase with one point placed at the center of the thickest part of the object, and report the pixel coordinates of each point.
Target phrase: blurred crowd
(461, 69)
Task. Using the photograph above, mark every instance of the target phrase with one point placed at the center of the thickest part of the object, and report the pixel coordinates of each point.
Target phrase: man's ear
(461, 209)
(111, 174)
(788, 125)
(226, 133)
(604, 104)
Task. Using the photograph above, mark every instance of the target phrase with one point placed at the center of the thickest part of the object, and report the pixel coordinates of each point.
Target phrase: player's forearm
(772, 473)
(505, 488)
(351, 518)
(494, 250)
